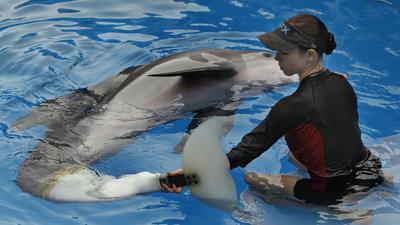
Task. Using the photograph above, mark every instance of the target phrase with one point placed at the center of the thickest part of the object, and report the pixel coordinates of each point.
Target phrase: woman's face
(291, 61)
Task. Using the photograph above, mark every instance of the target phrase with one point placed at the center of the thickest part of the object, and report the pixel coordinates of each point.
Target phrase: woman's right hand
(174, 189)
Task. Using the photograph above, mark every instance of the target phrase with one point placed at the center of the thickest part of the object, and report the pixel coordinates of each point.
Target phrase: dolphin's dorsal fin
(214, 71)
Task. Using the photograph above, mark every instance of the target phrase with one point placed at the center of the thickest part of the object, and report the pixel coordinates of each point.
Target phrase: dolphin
(93, 123)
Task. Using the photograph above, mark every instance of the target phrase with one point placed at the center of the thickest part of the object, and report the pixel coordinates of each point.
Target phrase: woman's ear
(311, 55)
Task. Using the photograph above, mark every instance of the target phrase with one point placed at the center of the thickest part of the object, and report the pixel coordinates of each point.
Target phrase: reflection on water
(51, 47)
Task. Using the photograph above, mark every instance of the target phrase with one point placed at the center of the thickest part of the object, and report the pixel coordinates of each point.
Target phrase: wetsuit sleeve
(281, 117)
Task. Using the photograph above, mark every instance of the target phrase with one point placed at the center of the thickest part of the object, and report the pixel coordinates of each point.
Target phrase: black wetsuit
(320, 124)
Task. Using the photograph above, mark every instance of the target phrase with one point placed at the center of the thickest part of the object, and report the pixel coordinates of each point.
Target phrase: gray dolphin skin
(93, 123)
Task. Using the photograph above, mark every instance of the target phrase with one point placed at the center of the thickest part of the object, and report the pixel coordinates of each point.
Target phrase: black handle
(179, 180)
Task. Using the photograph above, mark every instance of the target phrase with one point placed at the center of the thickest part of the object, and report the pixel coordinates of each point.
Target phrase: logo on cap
(284, 28)
(313, 45)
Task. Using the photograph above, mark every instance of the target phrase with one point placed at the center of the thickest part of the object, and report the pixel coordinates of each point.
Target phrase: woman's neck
(311, 71)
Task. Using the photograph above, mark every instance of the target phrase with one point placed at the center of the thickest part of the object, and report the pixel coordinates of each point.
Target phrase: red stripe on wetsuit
(306, 144)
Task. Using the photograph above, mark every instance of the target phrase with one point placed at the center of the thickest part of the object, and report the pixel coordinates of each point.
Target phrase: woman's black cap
(303, 30)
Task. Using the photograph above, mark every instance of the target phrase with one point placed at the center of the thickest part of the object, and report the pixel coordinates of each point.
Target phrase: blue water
(49, 48)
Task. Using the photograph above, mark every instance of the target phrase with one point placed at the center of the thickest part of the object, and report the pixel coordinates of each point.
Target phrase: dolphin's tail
(81, 184)
(53, 172)
(38, 179)
(48, 161)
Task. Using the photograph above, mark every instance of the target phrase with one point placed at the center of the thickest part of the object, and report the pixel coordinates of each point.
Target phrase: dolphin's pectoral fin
(76, 104)
(226, 116)
(25, 122)
(212, 71)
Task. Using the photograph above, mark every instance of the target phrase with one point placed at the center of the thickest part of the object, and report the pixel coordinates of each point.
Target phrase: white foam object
(203, 156)
(87, 186)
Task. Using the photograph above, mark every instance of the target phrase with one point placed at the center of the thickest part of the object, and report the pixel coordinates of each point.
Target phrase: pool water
(51, 47)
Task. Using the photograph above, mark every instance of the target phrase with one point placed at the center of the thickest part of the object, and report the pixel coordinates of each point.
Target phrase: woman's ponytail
(330, 44)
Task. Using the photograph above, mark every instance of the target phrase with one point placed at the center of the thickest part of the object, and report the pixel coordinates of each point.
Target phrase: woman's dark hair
(313, 28)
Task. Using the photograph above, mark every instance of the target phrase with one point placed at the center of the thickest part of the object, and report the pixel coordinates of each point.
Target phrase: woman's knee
(264, 180)
(276, 182)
